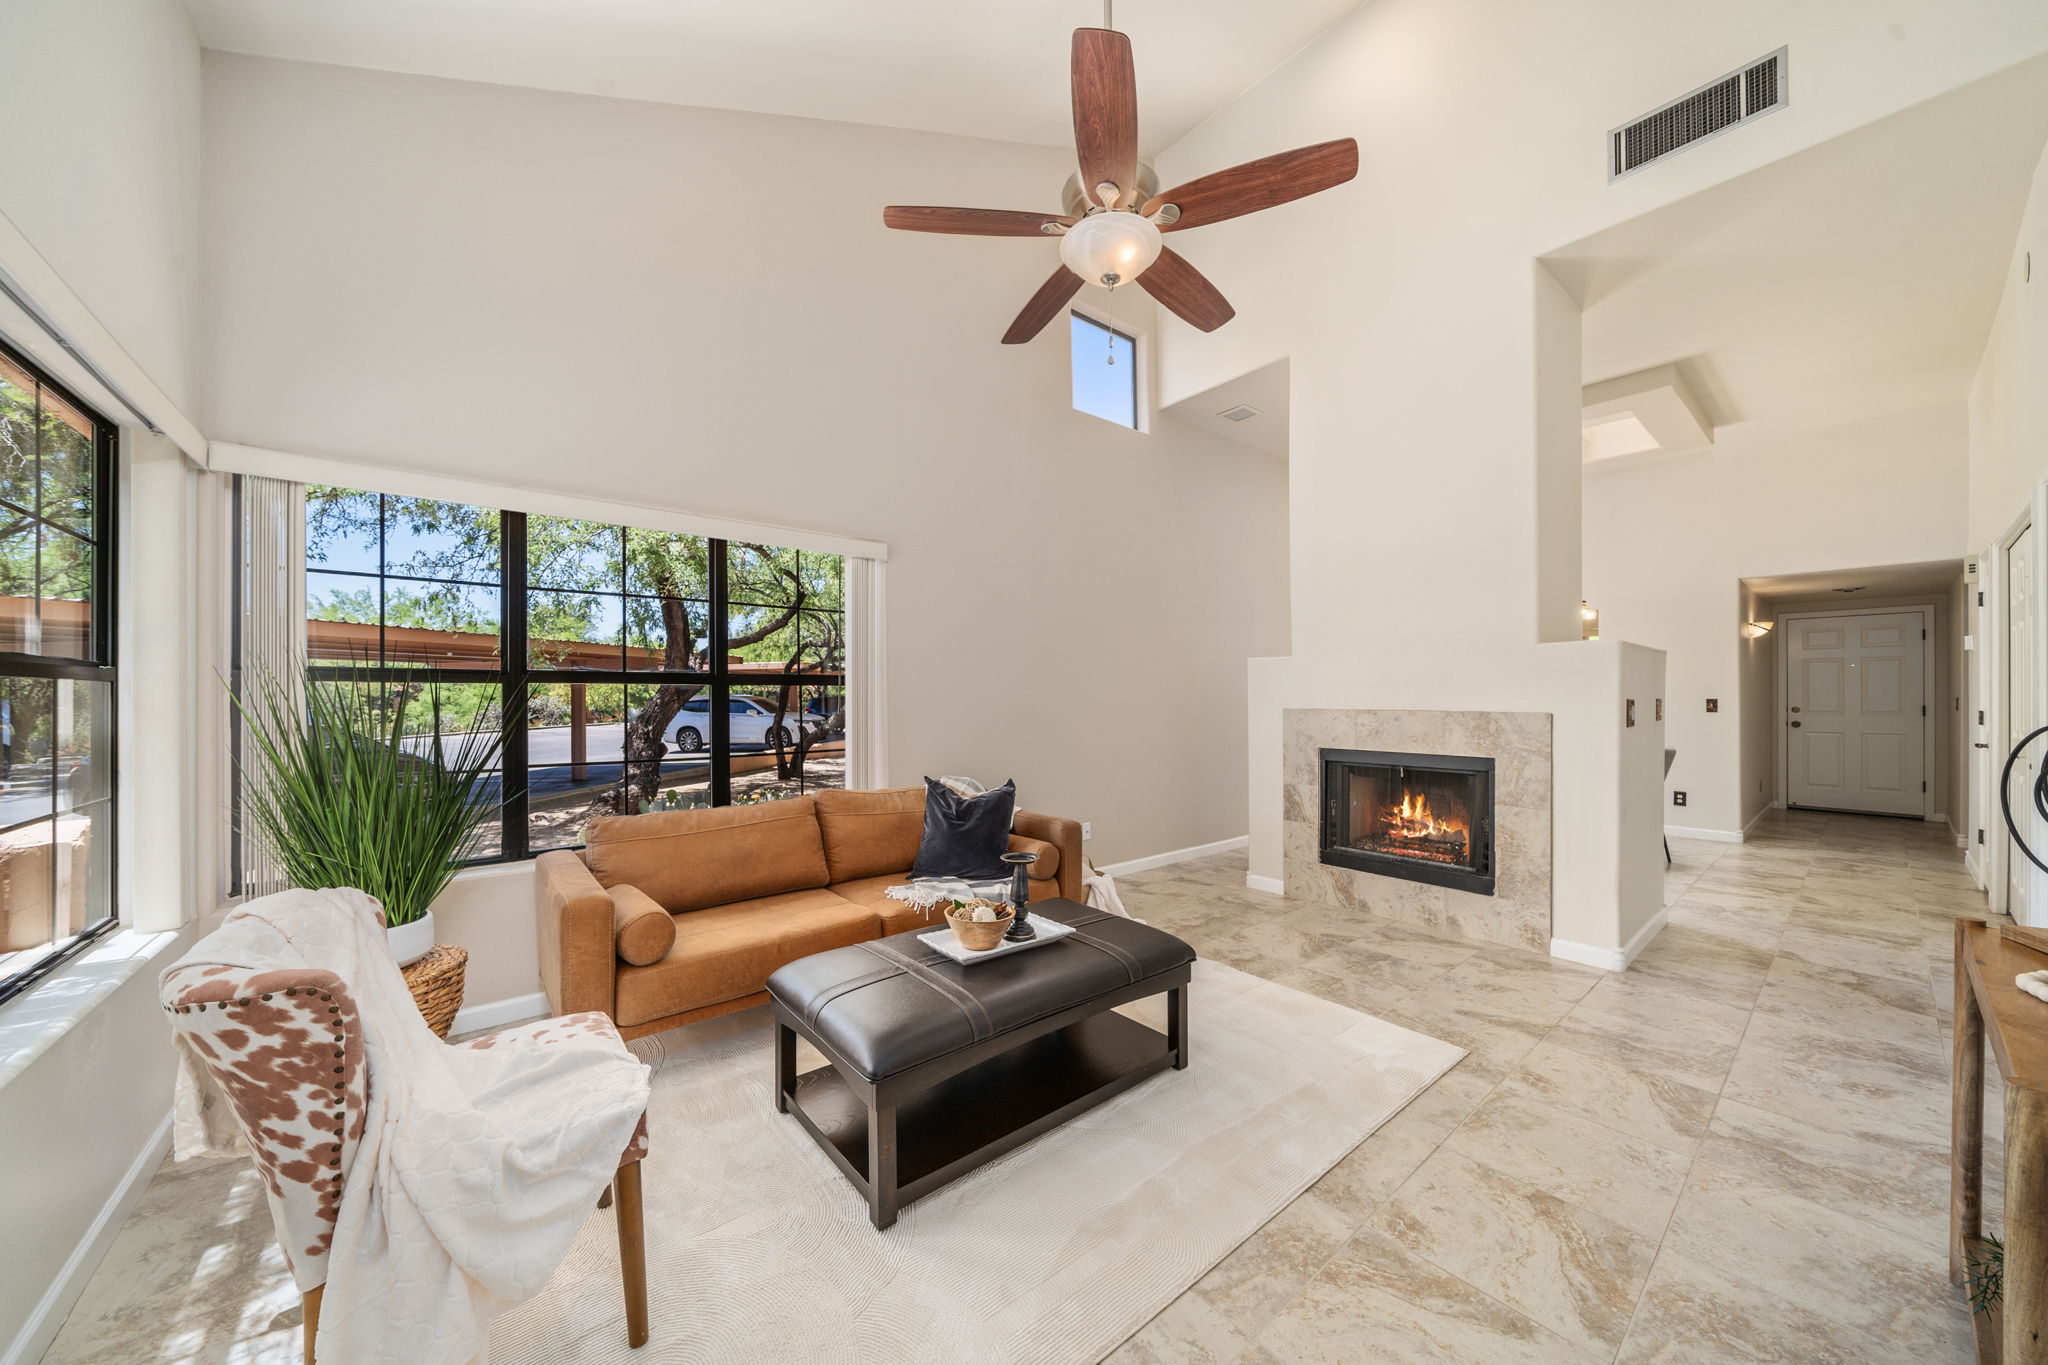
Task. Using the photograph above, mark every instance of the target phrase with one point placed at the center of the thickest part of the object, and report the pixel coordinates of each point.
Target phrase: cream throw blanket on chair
(477, 1166)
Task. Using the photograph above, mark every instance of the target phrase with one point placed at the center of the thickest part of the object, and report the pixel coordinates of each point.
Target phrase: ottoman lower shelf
(970, 1119)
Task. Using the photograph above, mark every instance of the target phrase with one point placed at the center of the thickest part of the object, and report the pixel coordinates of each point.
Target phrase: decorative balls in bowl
(979, 924)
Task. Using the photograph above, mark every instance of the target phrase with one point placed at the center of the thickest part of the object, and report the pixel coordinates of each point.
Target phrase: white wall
(99, 190)
(1668, 542)
(100, 165)
(1420, 520)
(2009, 401)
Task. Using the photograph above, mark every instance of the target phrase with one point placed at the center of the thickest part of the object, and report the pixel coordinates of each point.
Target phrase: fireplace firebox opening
(1423, 817)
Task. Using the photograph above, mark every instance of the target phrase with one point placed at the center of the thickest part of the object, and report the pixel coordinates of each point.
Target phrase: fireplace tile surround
(1518, 913)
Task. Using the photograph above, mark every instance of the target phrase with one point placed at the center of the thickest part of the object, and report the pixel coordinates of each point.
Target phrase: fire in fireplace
(1423, 817)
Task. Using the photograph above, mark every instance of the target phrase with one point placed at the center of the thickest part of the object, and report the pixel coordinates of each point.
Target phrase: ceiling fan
(1110, 233)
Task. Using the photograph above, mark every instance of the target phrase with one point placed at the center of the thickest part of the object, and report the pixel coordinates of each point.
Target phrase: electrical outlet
(1678, 798)
(1087, 830)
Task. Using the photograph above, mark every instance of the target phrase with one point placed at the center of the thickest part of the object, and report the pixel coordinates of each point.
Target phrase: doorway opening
(1851, 691)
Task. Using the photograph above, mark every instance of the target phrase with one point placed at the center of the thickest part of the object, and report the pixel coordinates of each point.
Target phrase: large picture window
(56, 674)
(658, 669)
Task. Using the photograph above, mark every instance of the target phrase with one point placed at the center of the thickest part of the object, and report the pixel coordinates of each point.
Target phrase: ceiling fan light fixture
(1111, 248)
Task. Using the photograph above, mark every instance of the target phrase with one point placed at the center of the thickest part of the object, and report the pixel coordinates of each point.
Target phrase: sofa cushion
(868, 834)
(896, 916)
(965, 836)
(691, 859)
(728, 952)
(1047, 868)
(643, 929)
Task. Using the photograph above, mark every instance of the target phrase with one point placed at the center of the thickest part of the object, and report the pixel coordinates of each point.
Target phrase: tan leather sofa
(668, 918)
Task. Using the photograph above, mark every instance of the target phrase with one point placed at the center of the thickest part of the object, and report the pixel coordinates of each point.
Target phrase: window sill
(31, 1023)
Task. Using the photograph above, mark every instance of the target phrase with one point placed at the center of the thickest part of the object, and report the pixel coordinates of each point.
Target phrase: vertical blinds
(270, 631)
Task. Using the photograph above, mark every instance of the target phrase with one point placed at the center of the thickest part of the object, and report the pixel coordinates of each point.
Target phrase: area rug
(758, 1249)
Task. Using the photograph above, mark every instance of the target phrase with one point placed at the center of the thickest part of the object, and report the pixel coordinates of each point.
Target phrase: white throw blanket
(927, 892)
(476, 1167)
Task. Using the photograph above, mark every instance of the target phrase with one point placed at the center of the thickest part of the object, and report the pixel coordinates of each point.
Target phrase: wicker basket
(978, 936)
(436, 984)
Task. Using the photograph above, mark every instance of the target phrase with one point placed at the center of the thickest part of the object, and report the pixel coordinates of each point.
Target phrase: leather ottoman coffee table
(938, 1067)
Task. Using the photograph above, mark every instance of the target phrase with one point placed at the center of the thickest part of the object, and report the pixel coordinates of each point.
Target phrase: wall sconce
(1756, 630)
(1589, 622)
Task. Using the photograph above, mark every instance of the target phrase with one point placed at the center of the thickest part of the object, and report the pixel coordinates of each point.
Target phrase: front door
(1856, 728)
(2019, 706)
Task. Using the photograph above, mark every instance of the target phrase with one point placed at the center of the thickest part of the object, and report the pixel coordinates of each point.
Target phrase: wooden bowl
(978, 936)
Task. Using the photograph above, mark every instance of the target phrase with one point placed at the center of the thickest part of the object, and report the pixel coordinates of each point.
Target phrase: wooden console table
(1989, 1006)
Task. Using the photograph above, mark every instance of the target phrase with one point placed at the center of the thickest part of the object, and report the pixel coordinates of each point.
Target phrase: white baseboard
(1719, 836)
(1254, 882)
(1755, 818)
(1178, 855)
(41, 1328)
(1610, 959)
(498, 1013)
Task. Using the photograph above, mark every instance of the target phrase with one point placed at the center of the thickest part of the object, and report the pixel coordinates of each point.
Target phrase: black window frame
(101, 668)
(517, 676)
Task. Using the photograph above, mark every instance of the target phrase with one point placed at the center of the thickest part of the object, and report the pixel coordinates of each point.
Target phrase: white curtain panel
(270, 620)
(866, 733)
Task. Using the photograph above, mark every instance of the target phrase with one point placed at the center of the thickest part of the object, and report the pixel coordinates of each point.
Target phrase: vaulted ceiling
(984, 68)
(1851, 280)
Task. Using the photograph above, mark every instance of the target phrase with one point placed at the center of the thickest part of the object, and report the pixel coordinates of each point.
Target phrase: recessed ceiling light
(1240, 413)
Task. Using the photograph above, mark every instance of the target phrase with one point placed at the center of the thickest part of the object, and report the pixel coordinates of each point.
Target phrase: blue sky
(1106, 390)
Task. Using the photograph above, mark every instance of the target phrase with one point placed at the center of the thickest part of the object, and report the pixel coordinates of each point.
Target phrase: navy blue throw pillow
(965, 836)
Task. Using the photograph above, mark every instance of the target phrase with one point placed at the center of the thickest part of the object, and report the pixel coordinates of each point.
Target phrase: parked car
(752, 722)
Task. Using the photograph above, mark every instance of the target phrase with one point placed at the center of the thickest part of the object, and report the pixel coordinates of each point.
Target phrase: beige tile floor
(1735, 1151)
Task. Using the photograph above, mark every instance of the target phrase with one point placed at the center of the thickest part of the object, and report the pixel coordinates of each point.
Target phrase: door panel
(1884, 687)
(1824, 761)
(1856, 729)
(1884, 763)
(1824, 686)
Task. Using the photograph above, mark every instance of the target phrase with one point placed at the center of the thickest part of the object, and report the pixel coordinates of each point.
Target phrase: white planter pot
(411, 942)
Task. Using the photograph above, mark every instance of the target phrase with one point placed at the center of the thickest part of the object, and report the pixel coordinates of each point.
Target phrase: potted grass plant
(373, 783)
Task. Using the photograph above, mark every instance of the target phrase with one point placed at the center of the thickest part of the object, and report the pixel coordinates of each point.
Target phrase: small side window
(1105, 371)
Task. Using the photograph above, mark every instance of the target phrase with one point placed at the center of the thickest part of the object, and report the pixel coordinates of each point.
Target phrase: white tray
(947, 942)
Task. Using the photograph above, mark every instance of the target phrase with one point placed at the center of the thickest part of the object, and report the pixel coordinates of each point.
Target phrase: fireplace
(1424, 817)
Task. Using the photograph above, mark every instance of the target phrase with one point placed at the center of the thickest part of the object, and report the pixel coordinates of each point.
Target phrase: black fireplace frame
(1333, 851)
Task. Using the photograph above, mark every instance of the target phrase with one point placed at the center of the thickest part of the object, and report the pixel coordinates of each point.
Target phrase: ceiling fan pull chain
(1109, 332)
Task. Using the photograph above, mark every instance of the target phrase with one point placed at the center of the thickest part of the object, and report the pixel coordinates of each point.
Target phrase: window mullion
(512, 654)
(720, 668)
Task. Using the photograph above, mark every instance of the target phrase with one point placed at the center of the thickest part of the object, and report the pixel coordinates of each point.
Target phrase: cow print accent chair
(286, 1048)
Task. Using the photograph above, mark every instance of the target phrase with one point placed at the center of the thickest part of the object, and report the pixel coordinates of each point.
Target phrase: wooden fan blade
(1183, 289)
(1105, 111)
(972, 222)
(1045, 305)
(1260, 184)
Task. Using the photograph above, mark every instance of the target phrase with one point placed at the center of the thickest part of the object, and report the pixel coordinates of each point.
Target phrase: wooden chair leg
(632, 1253)
(309, 1307)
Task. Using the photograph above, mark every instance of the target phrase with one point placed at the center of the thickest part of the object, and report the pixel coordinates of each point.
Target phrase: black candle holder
(1020, 897)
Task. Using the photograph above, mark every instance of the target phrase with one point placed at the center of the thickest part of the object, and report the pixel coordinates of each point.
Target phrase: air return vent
(1712, 109)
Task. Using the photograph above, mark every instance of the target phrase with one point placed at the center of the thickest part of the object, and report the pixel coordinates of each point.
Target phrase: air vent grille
(1714, 108)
